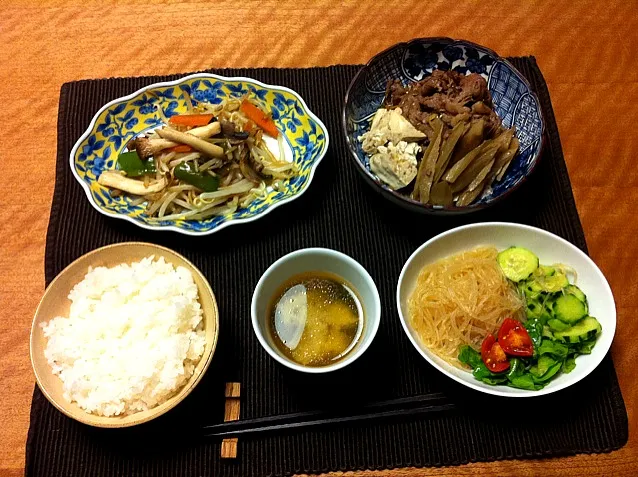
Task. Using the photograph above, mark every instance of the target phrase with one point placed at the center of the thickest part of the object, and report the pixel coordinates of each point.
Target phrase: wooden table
(587, 50)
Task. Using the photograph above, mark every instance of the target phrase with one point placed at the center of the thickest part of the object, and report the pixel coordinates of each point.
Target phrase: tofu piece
(378, 133)
(389, 125)
(396, 166)
(401, 129)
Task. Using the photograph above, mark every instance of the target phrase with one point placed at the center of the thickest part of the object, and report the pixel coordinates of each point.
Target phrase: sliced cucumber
(550, 284)
(557, 325)
(578, 293)
(533, 309)
(538, 309)
(545, 271)
(529, 294)
(530, 289)
(586, 329)
(517, 263)
(569, 309)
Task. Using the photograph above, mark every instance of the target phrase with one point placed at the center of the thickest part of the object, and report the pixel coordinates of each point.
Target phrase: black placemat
(338, 211)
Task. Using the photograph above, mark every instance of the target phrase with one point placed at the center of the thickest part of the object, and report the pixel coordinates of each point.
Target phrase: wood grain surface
(587, 51)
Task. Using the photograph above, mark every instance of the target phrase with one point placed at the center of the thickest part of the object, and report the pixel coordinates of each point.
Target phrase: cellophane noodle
(459, 300)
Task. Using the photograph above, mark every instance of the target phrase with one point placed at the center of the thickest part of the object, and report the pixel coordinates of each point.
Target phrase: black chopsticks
(394, 408)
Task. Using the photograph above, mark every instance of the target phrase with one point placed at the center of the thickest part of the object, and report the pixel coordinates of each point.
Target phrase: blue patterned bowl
(513, 98)
(306, 143)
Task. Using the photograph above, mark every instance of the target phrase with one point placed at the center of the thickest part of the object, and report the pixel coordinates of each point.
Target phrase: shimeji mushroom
(148, 147)
(205, 147)
(116, 180)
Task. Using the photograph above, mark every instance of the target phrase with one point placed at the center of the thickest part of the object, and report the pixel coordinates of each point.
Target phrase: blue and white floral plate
(306, 143)
(514, 101)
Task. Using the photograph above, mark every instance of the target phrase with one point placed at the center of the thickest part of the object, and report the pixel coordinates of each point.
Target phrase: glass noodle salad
(208, 161)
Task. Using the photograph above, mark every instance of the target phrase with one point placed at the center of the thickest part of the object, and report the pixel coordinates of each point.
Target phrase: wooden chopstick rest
(231, 413)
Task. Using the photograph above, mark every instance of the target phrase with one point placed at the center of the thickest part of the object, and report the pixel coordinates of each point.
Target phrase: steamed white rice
(132, 339)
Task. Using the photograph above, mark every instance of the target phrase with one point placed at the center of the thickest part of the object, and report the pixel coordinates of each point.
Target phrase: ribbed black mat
(339, 211)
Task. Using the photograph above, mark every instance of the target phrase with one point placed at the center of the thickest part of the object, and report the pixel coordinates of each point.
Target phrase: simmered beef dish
(448, 94)
(439, 140)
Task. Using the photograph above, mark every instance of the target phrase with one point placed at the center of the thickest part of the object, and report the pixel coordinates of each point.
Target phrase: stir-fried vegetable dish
(209, 161)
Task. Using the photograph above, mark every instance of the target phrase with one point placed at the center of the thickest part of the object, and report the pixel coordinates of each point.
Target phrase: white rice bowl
(132, 339)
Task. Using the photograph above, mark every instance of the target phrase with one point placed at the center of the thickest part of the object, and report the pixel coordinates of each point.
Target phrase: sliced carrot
(249, 126)
(180, 148)
(260, 118)
(191, 120)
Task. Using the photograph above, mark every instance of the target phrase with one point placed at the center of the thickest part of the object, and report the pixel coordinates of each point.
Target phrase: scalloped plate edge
(176, 82)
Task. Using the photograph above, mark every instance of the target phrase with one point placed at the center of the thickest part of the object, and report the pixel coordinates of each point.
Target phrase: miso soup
(316, 318)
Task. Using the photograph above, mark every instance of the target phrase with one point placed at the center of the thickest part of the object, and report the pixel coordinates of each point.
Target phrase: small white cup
(323, 260)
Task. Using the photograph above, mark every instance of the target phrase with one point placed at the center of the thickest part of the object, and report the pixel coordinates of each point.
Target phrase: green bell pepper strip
(201, 180)
(131, 163)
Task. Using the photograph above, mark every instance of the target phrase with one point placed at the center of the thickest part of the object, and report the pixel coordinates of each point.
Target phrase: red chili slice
(514, 338)
(493, 355)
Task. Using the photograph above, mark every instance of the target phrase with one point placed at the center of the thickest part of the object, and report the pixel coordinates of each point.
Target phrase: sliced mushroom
(147, 147)
(116, 180)
(207, 131)
(207, 148)
(229, 131)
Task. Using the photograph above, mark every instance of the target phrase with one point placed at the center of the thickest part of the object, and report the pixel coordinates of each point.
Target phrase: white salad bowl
(550, 249)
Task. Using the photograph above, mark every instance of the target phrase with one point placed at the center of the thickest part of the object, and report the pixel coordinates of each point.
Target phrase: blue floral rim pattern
(122, 119)
(514, 101)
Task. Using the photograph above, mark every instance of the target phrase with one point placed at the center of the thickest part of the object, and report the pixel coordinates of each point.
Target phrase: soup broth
(316, 318)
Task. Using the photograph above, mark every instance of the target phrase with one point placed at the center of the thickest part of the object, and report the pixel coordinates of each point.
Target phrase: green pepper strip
(201, 180)
(131, 163)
